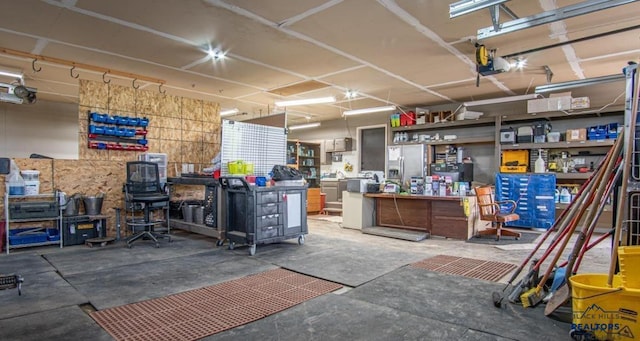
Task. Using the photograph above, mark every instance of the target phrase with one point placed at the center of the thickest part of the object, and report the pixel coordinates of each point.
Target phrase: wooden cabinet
(313, 200)
(306, 158)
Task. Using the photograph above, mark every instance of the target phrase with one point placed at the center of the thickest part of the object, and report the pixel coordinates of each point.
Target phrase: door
(412, 162)
(372, 143)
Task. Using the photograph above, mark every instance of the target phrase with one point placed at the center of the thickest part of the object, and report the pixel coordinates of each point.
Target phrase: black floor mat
(525, 238)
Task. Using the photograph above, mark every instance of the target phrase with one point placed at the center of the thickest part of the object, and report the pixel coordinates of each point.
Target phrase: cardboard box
(576, 135)
(580, 103)
(557, 103)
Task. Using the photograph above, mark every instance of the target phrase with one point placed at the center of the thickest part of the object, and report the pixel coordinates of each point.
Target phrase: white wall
(46, 128)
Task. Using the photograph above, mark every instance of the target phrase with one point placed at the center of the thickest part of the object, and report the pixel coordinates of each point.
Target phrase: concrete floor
(383, 299)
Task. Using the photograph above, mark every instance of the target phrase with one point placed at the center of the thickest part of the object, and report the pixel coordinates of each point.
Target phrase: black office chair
(143, 191)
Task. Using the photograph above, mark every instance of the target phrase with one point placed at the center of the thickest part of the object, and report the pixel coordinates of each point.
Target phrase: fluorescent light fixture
(557, 87)
(369, 110)
(463, 7)
(10, 74)
(501, 100)
(229, 112)
(305, 126)
(318, 100)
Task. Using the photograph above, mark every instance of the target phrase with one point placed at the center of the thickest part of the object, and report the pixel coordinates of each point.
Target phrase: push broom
(534, 295)
(559, 226)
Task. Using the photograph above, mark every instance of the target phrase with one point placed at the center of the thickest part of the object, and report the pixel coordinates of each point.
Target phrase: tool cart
(263, 215)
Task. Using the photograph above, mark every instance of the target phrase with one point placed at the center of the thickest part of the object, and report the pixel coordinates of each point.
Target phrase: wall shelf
(447, 124)
(560, 145)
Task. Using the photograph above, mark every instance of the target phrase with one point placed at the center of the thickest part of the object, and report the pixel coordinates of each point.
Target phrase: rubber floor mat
(202, 312)
(467, 267)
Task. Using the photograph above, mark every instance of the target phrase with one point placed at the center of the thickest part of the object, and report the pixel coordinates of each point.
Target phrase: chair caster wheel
(232, 245)
(220, 242)
(157, 245)
(128, 246)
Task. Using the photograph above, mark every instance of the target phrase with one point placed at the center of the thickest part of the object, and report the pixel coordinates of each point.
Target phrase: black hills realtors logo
(604, 321)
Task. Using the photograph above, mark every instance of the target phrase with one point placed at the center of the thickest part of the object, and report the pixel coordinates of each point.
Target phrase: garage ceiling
(403, 52)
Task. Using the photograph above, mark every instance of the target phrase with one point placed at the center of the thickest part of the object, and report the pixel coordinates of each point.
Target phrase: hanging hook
(160, 89)
(71, 72)
(104, 80)
(134, 84)
(33, 66)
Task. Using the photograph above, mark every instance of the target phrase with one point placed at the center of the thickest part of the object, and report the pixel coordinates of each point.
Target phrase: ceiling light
(350, 94)
(520, 64)
(369, 110)
(229, 112)
(467, 6)
(318, 100)
(557, 87)
(305, 126)
(216, 54)
(11, 74)
(501, 100)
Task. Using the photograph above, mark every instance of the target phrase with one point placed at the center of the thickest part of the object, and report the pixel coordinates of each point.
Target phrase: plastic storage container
(31, 181)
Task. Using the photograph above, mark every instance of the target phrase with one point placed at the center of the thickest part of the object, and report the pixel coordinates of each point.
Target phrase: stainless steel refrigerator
(406, 161)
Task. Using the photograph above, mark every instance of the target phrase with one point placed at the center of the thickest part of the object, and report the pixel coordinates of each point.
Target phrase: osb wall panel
(122, 99)
(92, 178)
(177, 126)
(192, 109)
(94, 95)
(169, 106)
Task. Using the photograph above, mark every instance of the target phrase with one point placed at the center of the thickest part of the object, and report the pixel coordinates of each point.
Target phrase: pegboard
(263, 146)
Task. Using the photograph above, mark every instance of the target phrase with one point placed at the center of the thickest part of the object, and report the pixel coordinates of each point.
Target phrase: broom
(559, 227)
(534, 295)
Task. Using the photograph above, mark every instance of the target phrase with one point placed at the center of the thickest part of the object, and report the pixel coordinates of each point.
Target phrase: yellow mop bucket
(629, 258)
(602, 312)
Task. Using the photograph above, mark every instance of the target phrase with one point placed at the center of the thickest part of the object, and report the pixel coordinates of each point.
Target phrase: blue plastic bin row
(534, 195)
(111, 131)
(119, 120)
(601, 132)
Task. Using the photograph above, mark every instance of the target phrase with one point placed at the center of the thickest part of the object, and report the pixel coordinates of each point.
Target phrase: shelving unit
(306, 158)
(40, 208)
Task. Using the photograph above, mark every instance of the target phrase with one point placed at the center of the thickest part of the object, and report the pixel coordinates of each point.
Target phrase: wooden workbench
(439, 216)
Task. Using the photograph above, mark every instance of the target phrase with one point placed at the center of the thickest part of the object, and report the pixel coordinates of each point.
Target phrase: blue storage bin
(53, 234)
(92, 129)
(130, 133)
(102, 145)
(597, 133)
(612, 130)
(111, 131)
(143, 122)
(122, 120)
(99, 118)
(142, 142)
(99, 130)
(133, 121)
(111, 120)
(28, 235)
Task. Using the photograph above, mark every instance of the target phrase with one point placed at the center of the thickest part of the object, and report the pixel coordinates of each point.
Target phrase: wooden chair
(490, 211)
